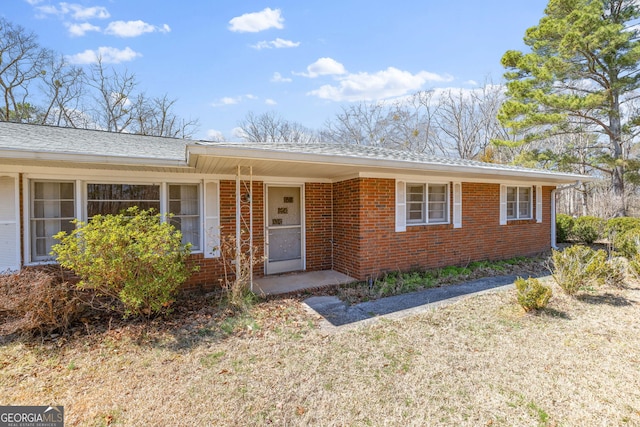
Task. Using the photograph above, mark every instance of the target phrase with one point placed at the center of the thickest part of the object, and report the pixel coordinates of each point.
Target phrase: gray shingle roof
(92, 146)
(58, 140)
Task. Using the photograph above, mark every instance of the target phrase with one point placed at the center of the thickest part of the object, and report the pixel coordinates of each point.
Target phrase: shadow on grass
(552, 312)
(607, 298)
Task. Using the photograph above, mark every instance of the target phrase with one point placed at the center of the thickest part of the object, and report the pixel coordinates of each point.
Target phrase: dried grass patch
(481, 361)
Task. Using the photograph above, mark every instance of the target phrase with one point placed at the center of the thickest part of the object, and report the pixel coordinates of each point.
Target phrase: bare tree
(113, 94)
(22, 61)
(155, 116)
(63, 87)
(270, 127)
(361, 124)
(467, 120)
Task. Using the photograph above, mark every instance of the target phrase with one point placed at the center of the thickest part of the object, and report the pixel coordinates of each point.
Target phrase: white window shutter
(401, 206)
(457, 205)
(503, 205)
(211, 219)
(9, 225)
(538, 203)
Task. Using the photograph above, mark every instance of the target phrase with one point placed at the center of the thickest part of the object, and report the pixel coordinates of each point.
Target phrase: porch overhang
(268, 161)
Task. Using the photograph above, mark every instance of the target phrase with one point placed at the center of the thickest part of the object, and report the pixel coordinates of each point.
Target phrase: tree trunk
(617, 174)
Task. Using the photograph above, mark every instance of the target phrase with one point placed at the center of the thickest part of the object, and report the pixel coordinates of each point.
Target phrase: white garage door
(9, 224)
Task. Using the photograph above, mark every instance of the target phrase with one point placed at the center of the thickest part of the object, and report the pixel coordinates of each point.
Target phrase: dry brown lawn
(478, 362)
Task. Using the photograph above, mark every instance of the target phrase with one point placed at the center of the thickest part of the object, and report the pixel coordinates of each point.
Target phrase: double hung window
(519, 203)
(427, 203)
(52, 208)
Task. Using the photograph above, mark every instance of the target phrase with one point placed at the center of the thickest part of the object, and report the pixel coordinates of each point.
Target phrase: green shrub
(620, 225)
(627, 242)
(564, 227)
(616, 273)
(532, 295)
(579, 266)
(35, 300)
(587, 229)
(133, 256)
(634, 265)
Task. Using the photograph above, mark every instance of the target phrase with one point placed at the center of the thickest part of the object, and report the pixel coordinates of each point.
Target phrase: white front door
(9, 224)
(284, 229)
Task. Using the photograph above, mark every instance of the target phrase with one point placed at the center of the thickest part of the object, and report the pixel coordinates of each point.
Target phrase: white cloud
(237, 132)
(275, 44)
(133, 28)
(76, 11)
(257, 21)
(109, 55)
(277, 78)
(388, 83)
(214, 135)
(471, 83)
(79, 30)
(270, 102)
(324, 67)
(228, 100)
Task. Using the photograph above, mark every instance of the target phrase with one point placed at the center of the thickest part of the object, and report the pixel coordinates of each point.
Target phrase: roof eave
(90, 158)
(265, 154)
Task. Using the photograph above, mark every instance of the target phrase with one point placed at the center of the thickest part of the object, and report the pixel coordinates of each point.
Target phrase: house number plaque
(283, 211)
(288, 199)
(276, 221)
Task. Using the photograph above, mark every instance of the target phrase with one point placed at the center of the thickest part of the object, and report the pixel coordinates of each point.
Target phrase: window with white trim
(184, 207)
(51, 210)
(105, 199)
(519, 203)
(427, 203)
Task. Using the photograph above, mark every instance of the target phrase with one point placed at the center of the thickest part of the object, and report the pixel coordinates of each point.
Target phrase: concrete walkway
(338, 313)
(292, 282)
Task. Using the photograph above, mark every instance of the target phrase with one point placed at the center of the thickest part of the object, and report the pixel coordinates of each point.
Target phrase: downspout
(554, 244)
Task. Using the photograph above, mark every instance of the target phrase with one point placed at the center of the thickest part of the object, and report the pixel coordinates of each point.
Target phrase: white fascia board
(91, 159)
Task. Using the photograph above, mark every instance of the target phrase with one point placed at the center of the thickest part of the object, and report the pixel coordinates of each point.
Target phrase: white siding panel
(503, 205)
(9, 224)
(538, 203)
(211, 219)
(457, 205)
(401, 206)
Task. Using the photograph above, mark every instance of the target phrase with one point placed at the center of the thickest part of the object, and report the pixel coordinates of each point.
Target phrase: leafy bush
(564, 227)
(616, 273)
(627, 242)
(35, 300)
(532, 295)
(133, 257)
(578, 266)
(587, 229)
(620, 225)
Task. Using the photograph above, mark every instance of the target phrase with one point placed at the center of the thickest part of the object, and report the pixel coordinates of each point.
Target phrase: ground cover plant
(395, 282)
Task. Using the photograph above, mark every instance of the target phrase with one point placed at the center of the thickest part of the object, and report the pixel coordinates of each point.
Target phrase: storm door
(284, 229)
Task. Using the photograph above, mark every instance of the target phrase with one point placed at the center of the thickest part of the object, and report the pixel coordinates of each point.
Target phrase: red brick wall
(368, 245)
(359, 216)
(211, 270)
(318, 225)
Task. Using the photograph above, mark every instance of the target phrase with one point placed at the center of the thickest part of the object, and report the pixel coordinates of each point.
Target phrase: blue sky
(301, 59)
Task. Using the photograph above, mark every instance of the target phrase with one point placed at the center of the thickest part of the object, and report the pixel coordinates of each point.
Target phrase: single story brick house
(357, 210)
